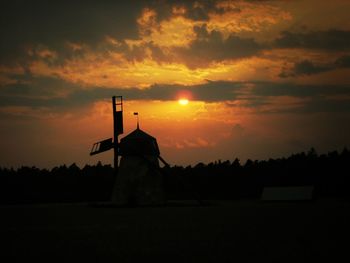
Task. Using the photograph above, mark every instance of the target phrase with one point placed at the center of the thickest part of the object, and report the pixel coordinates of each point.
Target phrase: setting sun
(183, 101)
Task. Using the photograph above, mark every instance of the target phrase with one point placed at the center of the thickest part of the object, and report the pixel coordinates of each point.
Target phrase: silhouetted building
(139, 179)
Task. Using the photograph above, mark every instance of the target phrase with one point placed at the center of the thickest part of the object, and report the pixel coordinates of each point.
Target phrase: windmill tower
(139, 180)
(138, 177)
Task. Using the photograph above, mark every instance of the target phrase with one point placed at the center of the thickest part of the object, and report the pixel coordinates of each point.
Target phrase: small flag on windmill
(137, 114)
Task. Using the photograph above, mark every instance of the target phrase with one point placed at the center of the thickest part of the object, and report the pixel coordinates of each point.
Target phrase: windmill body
(138, 176)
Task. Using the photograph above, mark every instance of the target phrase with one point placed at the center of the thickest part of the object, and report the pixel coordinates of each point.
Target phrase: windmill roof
(138, 142)
(138, 134)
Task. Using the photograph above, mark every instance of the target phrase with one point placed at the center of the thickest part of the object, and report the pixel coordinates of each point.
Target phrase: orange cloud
(113, 70)
(175, 31)
(241, 16)
(179, 10)
(147, 21)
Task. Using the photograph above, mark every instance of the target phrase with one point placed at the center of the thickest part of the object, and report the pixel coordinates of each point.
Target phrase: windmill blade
(102, 146)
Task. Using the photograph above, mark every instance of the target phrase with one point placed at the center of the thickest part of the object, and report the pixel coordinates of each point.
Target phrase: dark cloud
(37, 92)
(332, 40)
(49, 93)
(212, 46)
(343, 62)
(307, 67)
(313, 105)
(29, 86)
(317, 98)
(325, 105)
(51, 23)
(298, 90)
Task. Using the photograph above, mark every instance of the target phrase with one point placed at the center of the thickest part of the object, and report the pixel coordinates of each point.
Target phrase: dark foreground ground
(227, 231)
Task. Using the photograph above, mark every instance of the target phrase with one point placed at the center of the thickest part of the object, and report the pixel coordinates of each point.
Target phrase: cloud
(245, 16)
(298, 90)
(213, 47)
(330, 105)
(174, 31)
(57, 95)
(193, 33)
(307, 67)
(330, 40)
(310, 105)
(177, 37)
(25, 23)
(133, 45)
(343, 62)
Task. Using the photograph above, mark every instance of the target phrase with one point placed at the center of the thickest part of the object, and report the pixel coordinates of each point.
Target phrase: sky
(263, 79)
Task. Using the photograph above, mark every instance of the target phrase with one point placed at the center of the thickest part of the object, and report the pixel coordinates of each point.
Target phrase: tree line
(328, 173)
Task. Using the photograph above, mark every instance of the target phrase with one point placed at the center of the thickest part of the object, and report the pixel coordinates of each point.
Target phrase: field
(225, 231)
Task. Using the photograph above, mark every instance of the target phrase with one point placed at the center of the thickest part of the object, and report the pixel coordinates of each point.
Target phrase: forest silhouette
(227, 180)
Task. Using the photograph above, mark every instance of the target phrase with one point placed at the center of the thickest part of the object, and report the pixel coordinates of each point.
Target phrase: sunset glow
(183, 101)
(210, 79)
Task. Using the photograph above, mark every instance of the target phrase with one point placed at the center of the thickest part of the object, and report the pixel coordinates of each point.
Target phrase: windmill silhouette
(139, 179)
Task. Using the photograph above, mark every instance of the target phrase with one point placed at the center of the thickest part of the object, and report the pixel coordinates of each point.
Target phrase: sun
(183, 101)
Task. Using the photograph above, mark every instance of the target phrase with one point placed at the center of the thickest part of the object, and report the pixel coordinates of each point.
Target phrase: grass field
(226, 231)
